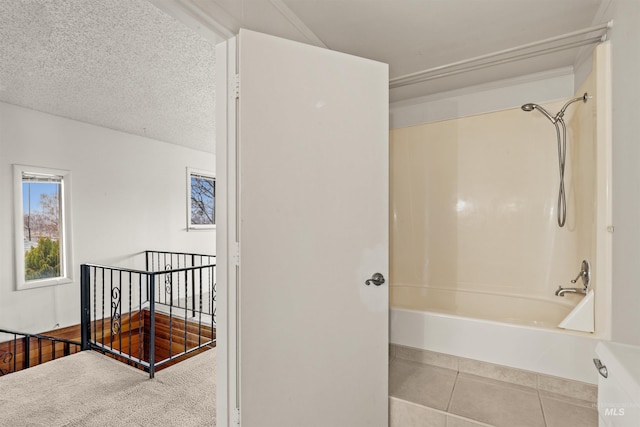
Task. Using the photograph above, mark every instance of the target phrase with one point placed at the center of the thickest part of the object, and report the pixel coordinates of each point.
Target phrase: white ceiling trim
(525, 51)
(481, 99)
(297, 23)
(202, 23)
(584, 53)
(486, 87)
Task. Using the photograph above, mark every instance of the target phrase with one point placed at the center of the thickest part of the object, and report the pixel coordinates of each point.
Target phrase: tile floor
(435, 396)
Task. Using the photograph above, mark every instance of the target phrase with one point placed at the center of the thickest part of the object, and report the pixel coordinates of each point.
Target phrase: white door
(313, 227)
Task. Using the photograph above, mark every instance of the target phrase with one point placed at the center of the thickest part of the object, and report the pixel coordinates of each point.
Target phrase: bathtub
(494, 328)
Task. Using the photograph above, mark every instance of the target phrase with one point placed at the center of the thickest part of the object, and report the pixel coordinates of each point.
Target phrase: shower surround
(474, 233)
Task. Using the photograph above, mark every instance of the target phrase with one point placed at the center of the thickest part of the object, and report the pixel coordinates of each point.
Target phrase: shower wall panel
(474, 199)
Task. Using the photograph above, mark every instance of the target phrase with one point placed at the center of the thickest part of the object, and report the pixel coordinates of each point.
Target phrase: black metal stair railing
(157, 261)
(24, 345)
(122, 308)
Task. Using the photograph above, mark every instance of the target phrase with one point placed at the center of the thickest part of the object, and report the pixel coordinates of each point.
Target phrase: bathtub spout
(561, 291)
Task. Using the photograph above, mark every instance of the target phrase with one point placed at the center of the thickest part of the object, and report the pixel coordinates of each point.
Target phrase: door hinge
(235, 86)
(235, 253)
(236, 416)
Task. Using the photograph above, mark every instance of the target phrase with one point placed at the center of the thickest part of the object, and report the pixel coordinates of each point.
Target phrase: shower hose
(562, 153)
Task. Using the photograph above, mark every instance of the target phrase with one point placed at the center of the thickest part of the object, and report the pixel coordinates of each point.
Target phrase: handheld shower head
(531, 107)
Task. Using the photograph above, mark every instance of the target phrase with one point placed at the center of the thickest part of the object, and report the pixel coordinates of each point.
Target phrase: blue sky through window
(35, 189)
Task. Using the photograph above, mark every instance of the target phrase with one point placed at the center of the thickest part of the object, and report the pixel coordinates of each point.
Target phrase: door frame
(227, 238)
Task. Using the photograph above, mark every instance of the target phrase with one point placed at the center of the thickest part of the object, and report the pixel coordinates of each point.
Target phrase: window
(201, 197)
(43, 255)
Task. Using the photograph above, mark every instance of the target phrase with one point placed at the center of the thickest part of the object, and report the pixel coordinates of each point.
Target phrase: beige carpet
(88, 389)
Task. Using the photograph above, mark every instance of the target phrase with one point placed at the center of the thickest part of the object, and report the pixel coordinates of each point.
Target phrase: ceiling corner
(297, 23)
(192, 16)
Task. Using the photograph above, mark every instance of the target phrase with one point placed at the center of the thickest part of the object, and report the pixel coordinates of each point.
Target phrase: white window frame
(66, 262)
(204, 174)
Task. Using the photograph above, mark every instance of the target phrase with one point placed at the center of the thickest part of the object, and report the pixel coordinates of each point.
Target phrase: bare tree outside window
(41, 217)
(44, 219)
(202, 201)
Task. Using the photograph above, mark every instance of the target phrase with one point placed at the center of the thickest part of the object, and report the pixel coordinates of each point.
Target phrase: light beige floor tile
(497, 382)
(427, 357)
(502, 405)
(498, 372)
(575, 389)
(423, 384)
(558, 413)
(454, 421)
(407, 414)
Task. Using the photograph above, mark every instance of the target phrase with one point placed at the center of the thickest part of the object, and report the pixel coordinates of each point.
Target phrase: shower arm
(582, 98)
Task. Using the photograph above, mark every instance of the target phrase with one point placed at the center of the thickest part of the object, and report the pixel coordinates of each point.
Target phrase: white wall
(128, 195)
(625, 39)
(582, 70)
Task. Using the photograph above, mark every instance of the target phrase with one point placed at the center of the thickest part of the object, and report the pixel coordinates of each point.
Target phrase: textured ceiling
(128, 65)
(121, 64)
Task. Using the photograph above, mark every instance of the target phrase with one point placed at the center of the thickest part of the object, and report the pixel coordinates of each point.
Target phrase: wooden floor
(12, 353)
(176, 336)
(173, 336)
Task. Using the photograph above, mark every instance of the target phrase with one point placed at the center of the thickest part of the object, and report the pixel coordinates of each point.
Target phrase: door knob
(377, 279)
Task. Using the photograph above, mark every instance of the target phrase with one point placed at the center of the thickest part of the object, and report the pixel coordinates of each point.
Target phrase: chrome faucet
(561, 291)
(585, 274)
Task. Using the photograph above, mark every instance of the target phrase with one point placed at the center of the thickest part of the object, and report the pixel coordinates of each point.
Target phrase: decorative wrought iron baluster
(167, 281)
(178, 287)
(115, 311)
(6, 357)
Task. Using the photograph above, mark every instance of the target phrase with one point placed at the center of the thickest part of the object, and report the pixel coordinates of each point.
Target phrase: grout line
(476, 423)
(455, 383)
(445, 413)
(544, 416)
(567, 399)
(458, 359)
